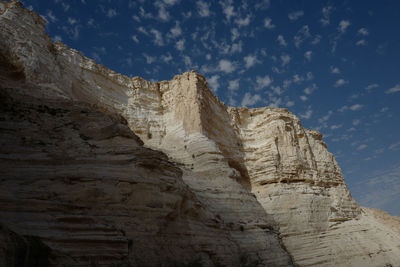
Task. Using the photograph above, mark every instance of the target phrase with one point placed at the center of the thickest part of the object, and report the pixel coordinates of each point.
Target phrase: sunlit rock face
(118, 169)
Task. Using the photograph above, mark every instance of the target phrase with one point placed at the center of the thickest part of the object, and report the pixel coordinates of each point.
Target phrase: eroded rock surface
(250, 182)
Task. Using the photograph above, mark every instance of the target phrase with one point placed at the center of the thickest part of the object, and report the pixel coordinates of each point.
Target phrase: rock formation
(100, 168)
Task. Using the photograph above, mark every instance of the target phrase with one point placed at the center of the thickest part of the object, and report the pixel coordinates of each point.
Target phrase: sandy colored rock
(235, 181)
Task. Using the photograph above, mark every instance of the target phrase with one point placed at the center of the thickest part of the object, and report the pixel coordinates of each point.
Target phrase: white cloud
(158, 39)
(263, 82)
(163, 13)
(72, 21)
(326, 12)
(250, 100)
(233, 85)
(394, 89)
(243, 22)
(343, 25)
(203, 8)
(111, 13)
(334, 127)
(171, 2)
(295, 15)
(362, 146)
(135, 39)
(264, 4)
(355, 107)
(213, 81)
(166, 58)
(268, 23)
(326, 117)
(371, 86)
(356, 122)
(51, 16)
(395, 146)
(340, 82)
(335, 70)
(317, 39)
(306, 115)
(149, 59)
(180, 45)
(228, 9)
(281, 40)
(301, 35)
(226, 66)
(235, 34)
(250, 61)
(143, 14)
(290, 104)
(363, 31)
(237, 47)
(303, 98)
(309, 90)
(297, 78)
(175, 31)
(307, 55)
(285, 60)
(361, 42)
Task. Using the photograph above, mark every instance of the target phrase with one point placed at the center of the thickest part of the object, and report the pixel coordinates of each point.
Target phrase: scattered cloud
(228, 9)
(395, 146)
(285, 59)
(250, 100)
(233, 85)
(340, 83)
(281, 40)
(361, 42)
(250, 61)
(203, 8)
(371, 86)
(175, 31)
(307, 55)
(180, 45)
(158, 39)
(334, 127)
(295, 15)
(241, 22)
(363, 31)
(335, 70)
(135, 39)
(268, 23)
(213, 82)
(301, 35)
(111, 13)
(303, 98)
(226, 66)
(394, 89)
(355, 107)
(362, 146)
(307, 114)
(263, 82)
(50, 16)
(326, 12)
(343, 25)
(149, 59)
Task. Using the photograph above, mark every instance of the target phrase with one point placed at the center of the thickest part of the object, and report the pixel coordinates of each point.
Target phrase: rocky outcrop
(237, 181)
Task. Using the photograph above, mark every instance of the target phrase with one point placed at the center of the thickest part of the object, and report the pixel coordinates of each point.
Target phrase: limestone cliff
(238, 183)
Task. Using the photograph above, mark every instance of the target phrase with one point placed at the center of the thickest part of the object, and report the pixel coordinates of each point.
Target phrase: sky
(334, 64)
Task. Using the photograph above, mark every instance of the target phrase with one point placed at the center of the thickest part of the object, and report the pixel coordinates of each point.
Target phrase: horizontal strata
(257, 173)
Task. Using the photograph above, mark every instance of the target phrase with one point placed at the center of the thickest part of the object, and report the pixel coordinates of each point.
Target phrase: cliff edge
(108, 168)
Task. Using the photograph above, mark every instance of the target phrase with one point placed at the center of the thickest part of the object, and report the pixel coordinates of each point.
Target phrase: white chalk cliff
(100, 167)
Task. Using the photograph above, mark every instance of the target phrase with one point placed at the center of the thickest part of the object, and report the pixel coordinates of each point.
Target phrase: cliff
(105, 168)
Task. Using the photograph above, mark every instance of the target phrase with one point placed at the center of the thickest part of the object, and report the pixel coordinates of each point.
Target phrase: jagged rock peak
(127, 169)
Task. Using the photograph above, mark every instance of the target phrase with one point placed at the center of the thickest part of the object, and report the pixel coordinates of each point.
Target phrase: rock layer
(246, 177)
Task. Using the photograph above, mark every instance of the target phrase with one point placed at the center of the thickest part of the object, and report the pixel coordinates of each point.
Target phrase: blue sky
(335, 64)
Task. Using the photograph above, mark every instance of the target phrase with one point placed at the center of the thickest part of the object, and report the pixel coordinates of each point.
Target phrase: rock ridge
(263, 185)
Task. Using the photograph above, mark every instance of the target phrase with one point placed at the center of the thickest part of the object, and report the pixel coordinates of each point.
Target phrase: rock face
(106, 168)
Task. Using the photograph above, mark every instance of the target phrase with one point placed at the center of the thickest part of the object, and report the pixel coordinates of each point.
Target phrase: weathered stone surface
(250, 176)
